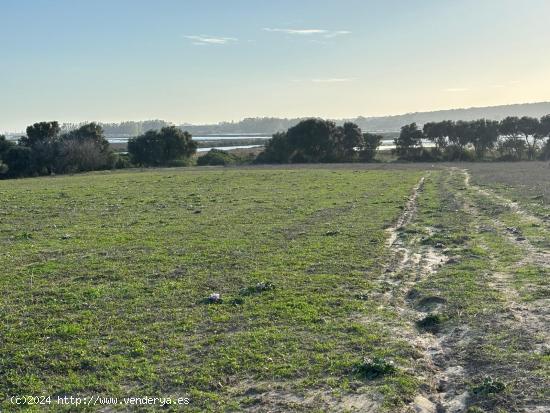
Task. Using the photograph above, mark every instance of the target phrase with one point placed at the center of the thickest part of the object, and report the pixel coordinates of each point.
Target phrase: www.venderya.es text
(98, 400)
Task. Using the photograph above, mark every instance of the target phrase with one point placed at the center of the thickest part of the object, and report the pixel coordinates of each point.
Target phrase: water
(228, 148)
(124, 139)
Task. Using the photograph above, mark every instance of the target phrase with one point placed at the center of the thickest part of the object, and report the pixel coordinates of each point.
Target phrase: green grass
(105, 278)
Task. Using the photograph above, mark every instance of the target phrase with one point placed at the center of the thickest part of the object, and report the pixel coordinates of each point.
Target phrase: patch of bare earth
(413, 262)
(278, 397)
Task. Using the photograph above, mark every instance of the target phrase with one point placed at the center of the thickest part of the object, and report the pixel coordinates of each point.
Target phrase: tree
(409, 142)
(371, 143)
(312, 141)
(544, 126)
(85, 149)
(529, 128)
(511, 149)
(350, 139)
(511, 145)
(4, 145)
(438, 133)
(544, 132)
(42, 138)
(18, 159)
(277, 150)
(484, 137)
(40, 133)
(155, 148)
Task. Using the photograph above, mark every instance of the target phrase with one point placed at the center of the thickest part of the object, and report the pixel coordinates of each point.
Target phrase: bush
(458, 153)
(372, 368)
(488, 386)
(122, 161)
(3, 168)
(18, 159)
(217, 157)
(157, 148)
(431, 323)
(84, 149)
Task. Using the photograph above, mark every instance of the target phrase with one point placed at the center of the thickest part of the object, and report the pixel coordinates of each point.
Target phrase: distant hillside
(394, 123)
(269, 126)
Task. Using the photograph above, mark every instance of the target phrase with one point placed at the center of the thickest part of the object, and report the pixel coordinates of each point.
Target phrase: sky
(206, 61)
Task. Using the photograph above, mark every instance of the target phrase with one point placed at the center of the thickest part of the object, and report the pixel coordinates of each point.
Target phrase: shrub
(84, 149)
(156, 148)
(430, 323)
(489, 385)
(217, 157)
(18, 159)
(122, 161)
(371, 368)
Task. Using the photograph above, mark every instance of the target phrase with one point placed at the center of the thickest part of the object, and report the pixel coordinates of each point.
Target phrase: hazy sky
(208, 60)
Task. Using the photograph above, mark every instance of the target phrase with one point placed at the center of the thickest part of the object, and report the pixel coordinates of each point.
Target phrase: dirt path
(533, 316)
(414, 262)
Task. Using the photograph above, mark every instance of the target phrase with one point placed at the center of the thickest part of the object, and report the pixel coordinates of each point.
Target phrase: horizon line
(181, 123)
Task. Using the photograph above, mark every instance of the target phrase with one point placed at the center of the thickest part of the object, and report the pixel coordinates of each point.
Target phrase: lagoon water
(124, 139)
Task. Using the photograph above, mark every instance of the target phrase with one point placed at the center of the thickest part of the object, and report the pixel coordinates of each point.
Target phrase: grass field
(343, 288)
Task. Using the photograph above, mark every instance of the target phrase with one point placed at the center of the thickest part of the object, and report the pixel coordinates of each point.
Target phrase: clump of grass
(259, 288)
(431, 323)
(372, 368)
(488, 386)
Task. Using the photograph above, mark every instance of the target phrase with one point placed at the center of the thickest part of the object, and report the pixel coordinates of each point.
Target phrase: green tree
(409, 143)
(512, 145)
(5, 145)
(484, 136)
(277, 150)
(530, 129)
(312, 141)
(371, 143)
(18, 159)
(544, 132)
(85, 149)
(155, 148)
(350, 139)
(439, 133)
(43, 139)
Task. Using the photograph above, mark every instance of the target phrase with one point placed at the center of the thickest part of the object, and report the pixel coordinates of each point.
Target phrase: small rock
(439, 245)
(197, 211)
(520, 239)
(66, 236)
(423, 405)
(215, 298)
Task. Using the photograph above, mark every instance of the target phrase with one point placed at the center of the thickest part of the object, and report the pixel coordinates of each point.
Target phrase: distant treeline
(270, 125)
(127, 129)
(46, 149)
(318, 140)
